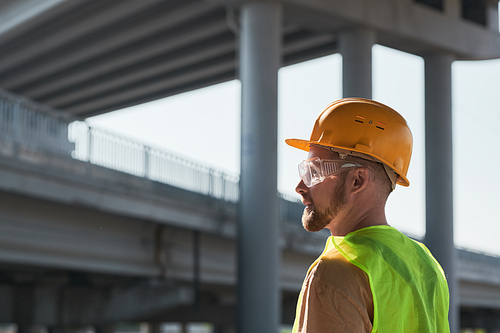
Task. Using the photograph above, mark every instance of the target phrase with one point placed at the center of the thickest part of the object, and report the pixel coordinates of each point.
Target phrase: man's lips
(307, 204)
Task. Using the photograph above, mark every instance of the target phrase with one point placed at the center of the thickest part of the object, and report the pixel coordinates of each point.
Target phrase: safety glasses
(313, 171)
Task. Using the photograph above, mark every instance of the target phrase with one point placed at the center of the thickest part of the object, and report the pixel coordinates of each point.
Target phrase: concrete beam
(403, 25)
(142, 301)
(73, 182)
(164, 82)
(104, 16)
(63, 306)
(478, 267)
(16, 16)
(179, 49)
(88, 48)
(479, 295)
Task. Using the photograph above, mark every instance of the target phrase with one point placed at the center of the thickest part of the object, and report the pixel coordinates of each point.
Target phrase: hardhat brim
(306, 144)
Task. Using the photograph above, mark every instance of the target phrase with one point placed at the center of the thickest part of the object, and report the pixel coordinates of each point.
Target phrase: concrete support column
(154, 327)
(31, 329)
(224, 329)
(492, 16)
(452, 9)
(105, 328)
(439, 172)
(258, 242)
(355, 45)
(24, 308)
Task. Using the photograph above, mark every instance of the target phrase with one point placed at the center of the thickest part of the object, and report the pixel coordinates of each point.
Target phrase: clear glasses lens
(315, 170)
(310, 172)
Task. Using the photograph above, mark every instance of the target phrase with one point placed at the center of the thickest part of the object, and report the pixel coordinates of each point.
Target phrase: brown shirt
(336, 297)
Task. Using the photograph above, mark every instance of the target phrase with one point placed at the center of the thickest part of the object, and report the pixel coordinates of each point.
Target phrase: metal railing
(25, 123)
(116, 152)
(32, 125)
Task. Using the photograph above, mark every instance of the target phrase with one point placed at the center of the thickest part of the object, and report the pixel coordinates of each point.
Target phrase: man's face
(324, 201)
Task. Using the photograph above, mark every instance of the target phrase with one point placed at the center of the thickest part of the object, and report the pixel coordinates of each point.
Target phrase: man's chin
(312, 228)
(311, 222)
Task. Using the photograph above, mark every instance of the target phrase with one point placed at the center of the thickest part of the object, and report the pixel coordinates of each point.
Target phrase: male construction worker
(370, 277)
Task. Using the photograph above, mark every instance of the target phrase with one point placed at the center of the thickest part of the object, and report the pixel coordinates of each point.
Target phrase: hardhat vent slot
(381, 124)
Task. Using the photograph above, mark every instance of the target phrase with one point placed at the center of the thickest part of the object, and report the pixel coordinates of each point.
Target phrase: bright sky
(204, 125)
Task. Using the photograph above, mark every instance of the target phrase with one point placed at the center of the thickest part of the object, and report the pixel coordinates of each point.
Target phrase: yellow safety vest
(409, 288)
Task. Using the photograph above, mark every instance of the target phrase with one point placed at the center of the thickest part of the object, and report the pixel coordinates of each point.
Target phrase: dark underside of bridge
(91, 57)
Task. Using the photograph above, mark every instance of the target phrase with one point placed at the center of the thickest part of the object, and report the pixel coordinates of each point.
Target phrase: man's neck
(355, 219)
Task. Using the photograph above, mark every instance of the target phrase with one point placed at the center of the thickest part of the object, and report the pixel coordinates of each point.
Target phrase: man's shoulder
(334, 270)
(340, 282)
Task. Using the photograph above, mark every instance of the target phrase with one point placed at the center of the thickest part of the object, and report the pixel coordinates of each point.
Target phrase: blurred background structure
(99, 231)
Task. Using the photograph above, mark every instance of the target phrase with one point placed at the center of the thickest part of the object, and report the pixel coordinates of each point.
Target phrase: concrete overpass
(85, 245)
(88, 57)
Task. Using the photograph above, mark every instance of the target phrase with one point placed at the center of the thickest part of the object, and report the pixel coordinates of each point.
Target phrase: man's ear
(360, 179)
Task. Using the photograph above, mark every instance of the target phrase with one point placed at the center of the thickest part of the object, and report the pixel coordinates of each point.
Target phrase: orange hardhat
(367, 129)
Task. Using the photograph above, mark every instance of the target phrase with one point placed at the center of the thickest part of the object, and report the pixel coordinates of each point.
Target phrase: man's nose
(301, 188)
